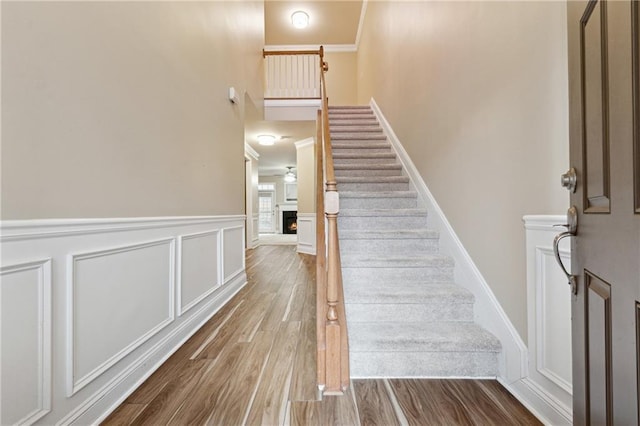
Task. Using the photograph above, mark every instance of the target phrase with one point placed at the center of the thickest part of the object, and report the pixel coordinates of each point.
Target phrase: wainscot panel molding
(255, 238)
(513, 361)
(549, 315)
(197, 275)
(92, 307)
(307, 233)
(25, 315)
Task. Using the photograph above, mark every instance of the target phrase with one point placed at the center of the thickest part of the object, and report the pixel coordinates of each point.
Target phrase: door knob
(569, 179)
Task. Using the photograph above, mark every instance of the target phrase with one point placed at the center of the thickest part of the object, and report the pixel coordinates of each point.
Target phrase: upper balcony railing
(292, 74)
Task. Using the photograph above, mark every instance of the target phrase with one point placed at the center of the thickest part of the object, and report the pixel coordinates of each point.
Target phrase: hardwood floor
(254, 363)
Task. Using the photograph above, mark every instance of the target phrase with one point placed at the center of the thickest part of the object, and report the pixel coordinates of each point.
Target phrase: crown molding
(248, 150)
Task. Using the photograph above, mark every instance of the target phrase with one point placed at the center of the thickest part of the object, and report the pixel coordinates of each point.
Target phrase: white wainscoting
(307, 233)
(91, 307)
(549, 315)
(198, 272)
(25, 317)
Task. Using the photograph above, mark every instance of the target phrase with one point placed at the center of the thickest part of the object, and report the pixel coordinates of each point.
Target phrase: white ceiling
(331, 22)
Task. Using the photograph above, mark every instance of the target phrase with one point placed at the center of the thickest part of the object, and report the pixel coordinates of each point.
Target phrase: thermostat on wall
(233, 95)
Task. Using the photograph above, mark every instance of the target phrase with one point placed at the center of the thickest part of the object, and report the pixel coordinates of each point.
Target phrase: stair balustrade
(292, 74)
(336, 349)
(301, 75)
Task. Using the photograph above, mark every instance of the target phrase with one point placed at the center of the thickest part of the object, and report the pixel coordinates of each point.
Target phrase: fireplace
(290, 222)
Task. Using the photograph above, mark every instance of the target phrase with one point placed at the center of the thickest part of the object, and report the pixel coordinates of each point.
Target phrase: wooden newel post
(333, 330)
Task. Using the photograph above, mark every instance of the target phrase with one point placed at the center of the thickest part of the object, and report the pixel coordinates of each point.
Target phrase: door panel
(598, 317)
(595, 108)
(635, 41)
(604, 110)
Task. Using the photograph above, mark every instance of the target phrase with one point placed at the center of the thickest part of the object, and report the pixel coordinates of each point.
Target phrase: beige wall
(306, 177)
(477, 94)
(342, 84)
(117, 109)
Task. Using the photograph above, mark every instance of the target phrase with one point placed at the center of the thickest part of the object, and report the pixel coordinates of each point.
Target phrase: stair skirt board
(407, 317)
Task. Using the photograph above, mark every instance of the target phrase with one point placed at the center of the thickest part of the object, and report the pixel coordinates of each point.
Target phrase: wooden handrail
(266, 53)
(333, 344)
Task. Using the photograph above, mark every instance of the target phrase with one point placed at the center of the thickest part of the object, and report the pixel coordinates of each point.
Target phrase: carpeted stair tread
(383, 212)
(389, 261)
(360, 145)
(392, 234)
(372, 179)
(378, 194)
(406, 316)
(366, 155)
(368, 166)
(374, 129)
(408, 337)
(407, 293)
(362, 136)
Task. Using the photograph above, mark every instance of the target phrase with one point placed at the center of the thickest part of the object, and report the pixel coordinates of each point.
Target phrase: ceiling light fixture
(300, 19)
(266, 140)
(289, 176)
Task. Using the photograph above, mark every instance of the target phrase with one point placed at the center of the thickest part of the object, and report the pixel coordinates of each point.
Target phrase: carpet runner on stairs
(406, 316)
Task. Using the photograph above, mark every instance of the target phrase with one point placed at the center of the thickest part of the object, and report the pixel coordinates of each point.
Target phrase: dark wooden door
(605, 150)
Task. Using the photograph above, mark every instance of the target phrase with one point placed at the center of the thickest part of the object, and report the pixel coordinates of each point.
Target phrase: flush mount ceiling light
(289, 176)
(300, 19)
(266, 140)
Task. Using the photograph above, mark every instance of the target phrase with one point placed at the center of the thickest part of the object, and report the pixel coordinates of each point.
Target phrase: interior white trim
(17, 230)
(543, 256)
(306, 233)
(227, 277)
(183, 309)
(102, 391)
(123, 385)
(75, 384)
(543, 405)
(337, 48)
(548, 317)
(45, 348)
(250, 152)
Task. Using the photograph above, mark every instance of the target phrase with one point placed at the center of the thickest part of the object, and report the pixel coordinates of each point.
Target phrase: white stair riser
(422, 364)
(381, 222)
(356, 276)
(400, 312)
(411, 247)
(378, 203)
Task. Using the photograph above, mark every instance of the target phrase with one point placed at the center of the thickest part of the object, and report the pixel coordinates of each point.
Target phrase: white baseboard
(542, 404)
(135, 283)
(513, 361)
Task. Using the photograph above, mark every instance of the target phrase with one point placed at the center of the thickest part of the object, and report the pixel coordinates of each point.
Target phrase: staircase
(406, 317)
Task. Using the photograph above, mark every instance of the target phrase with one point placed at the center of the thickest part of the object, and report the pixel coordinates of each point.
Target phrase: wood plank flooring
(254, 362)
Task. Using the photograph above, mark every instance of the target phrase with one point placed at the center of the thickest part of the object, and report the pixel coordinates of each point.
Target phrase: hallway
(254, 362)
